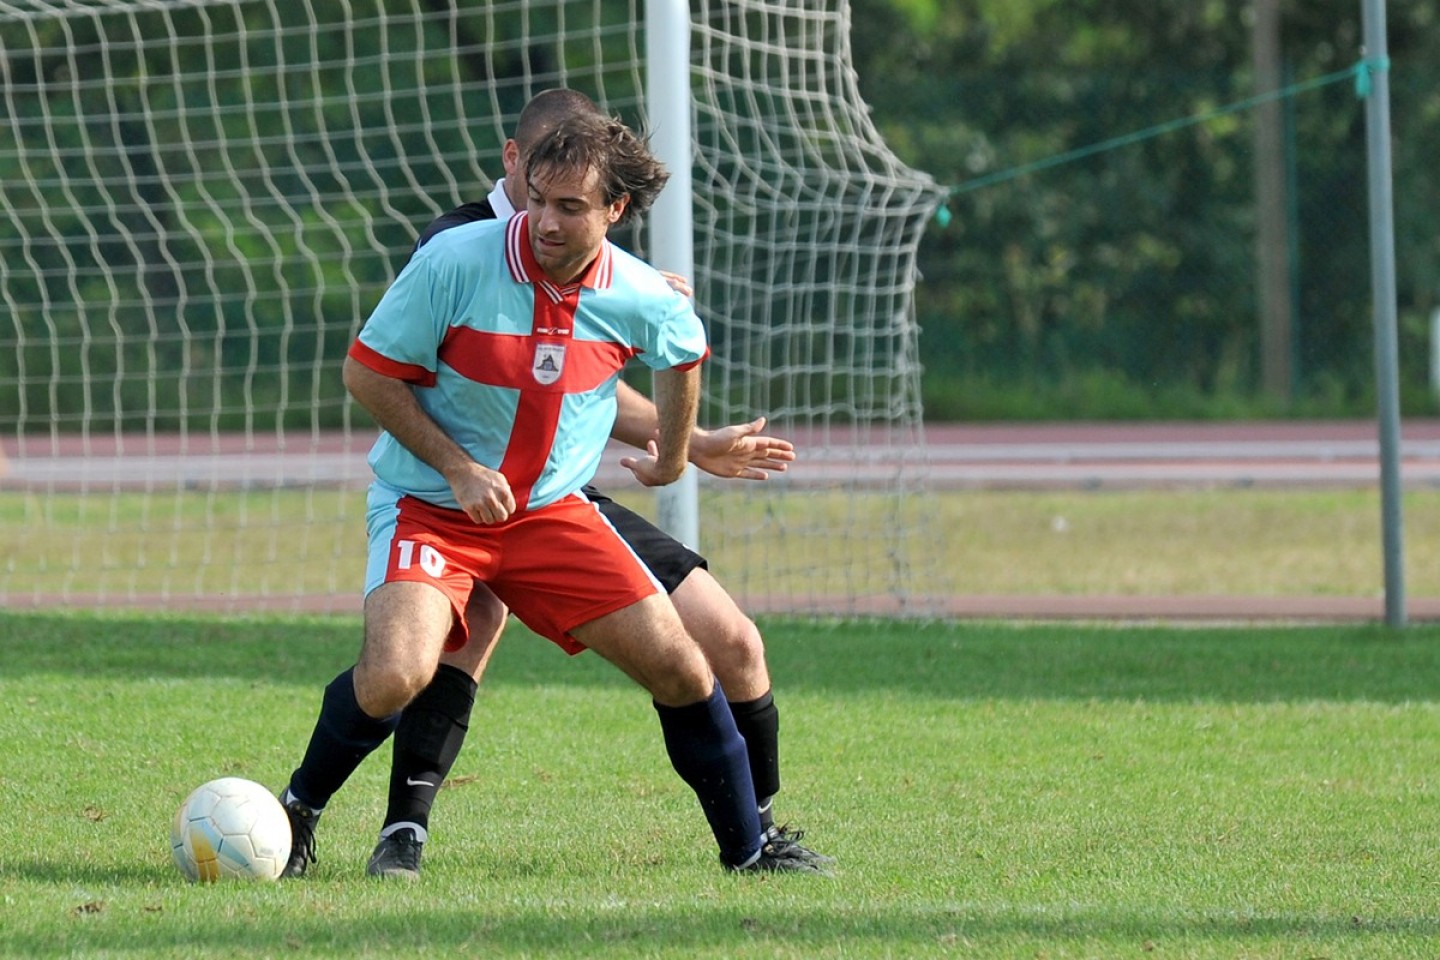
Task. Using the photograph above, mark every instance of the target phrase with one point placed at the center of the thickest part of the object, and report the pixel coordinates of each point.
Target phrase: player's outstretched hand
(740, 452)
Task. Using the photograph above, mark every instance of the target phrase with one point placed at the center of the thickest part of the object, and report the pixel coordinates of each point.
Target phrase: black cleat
(397, 856)
(783, 856)
(302, 837)
(784, 837)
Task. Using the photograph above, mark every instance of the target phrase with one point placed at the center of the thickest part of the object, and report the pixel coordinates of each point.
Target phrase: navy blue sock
(709, 754)
(343, 737)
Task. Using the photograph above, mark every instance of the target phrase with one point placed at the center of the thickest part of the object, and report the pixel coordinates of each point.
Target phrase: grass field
(1226, 541)
(991, 790)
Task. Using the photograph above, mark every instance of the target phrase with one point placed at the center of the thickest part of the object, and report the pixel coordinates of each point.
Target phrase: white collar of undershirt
(499, 202)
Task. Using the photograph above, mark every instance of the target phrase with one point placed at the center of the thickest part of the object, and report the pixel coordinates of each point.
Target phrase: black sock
(759, 723)
(343, 737)
(427, 741)
(709, 754)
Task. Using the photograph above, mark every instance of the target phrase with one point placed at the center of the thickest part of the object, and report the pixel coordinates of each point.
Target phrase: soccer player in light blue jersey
(434, 725)
(491, 365)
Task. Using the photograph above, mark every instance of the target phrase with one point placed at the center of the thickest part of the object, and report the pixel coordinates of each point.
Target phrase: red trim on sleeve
(694, 363)
(381, 364)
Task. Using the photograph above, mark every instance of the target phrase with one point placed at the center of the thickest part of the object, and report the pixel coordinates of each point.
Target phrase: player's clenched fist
(483, 494)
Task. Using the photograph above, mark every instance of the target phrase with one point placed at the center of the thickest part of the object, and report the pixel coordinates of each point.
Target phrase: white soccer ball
(230, 827)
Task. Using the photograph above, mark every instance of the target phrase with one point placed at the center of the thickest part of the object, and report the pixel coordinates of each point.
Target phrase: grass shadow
(511, 929)
(960, 660)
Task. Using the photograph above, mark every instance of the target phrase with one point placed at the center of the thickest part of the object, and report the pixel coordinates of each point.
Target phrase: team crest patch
(549, 361)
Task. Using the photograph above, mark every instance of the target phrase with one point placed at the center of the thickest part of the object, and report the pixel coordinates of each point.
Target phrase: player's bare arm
(677, 394)
(635, 418)
(483, 494)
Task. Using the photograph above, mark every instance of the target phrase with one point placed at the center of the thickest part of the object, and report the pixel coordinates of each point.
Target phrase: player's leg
(428, 739)
(647, 642)
(419, 573)
(729, 638)
(732, 644)
(570, 578)
(731, 641)
(406, 625)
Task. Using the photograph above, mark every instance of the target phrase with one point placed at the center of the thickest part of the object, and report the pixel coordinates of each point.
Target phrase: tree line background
(1129, 283)
(1132, 283)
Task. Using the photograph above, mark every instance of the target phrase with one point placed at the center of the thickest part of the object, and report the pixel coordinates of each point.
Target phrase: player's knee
(383, 689)
(745, 639)
(682, 677)
(680, 689)
(405, 628)
(734, 647)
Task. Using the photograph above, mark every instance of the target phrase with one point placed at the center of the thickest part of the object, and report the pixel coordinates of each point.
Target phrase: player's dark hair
(621, 157)
(546, 110)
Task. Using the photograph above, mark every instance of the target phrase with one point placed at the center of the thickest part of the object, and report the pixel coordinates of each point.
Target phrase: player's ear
(617, 209)
(510, 158)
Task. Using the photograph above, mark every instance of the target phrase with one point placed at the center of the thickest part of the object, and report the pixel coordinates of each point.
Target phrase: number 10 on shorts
(430, 559)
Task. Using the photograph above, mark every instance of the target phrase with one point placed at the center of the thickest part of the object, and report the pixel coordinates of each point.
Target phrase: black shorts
(669, 559)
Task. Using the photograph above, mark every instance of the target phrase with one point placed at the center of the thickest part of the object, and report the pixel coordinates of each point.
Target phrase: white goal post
(200, 202)
(672, 232)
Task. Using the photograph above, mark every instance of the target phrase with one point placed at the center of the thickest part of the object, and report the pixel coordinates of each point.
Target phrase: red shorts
(556, 568)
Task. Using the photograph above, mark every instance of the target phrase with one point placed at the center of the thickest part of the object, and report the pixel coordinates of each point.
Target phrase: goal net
(201, 201)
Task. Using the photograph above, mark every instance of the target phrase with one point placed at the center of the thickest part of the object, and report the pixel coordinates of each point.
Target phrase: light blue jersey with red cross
(519, 371)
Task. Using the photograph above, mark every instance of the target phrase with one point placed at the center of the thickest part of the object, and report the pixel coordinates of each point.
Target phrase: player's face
(568, 220)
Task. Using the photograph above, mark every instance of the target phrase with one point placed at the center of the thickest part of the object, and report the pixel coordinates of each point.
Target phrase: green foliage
(1136, 266)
